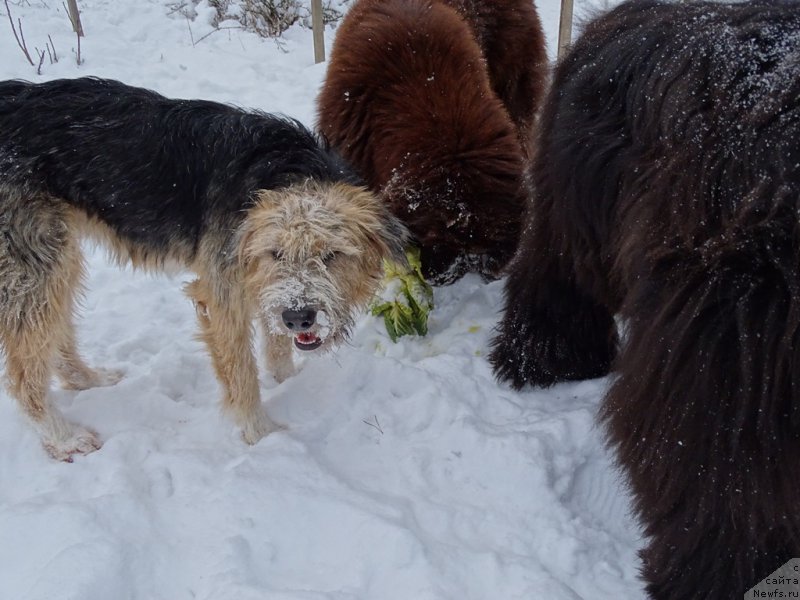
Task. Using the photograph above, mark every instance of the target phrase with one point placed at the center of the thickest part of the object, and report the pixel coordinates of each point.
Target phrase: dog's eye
(329, 256)
(276, 254)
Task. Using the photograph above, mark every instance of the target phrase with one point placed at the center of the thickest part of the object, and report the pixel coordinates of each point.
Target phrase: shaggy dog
(432, 102)
(270, 220)
(511, 40)
(668, 191)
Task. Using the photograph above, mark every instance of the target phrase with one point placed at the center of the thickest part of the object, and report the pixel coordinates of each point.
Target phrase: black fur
(667, 184)
(158, 171)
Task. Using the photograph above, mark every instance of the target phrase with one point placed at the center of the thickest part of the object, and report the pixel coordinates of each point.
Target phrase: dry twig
(41, 54)
(376, 425)
(22, 45)
(216, 29)
(76, 26)
(54, 58)
(176, 8)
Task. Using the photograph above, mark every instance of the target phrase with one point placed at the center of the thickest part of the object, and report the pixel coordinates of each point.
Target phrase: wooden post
(318, 27)
(75, 17)
(565, 27)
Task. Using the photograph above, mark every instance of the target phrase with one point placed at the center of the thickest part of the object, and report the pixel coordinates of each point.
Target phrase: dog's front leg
(226, 328)
(279, 354)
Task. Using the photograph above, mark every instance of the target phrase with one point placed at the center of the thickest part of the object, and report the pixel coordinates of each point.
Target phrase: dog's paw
(258, 426)
(84, 379)
(106, 377)
(280, 363)
(76, 440)
(284, 372)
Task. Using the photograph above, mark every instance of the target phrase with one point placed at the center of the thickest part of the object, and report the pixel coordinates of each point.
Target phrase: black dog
(271, 220)
(668, 191)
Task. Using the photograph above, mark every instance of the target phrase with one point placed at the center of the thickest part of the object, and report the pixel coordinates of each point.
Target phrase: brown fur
(430, 104)
(512, 42)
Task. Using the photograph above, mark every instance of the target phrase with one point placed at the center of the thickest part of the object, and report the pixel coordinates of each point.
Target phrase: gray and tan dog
(273, 223)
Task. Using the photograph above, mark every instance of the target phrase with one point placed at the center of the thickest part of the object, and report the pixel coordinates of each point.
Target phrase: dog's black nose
(299, 320)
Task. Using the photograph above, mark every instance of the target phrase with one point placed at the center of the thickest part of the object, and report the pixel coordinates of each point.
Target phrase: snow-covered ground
(405, 472)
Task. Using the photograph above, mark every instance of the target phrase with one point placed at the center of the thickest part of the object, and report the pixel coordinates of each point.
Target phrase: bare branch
(54, 58)
(216, 29)
(21, 44)
(376, 424)
(41, 61)
(75, 28)
(189, 25)
(176, 8)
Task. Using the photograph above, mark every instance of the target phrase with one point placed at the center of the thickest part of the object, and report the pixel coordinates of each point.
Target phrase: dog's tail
(705, 412)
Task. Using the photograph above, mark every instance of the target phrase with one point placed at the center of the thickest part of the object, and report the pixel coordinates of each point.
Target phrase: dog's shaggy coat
(272, 222)
(668, 191)
(433, 101)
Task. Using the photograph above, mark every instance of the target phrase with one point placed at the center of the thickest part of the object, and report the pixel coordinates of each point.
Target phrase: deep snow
(405, 472)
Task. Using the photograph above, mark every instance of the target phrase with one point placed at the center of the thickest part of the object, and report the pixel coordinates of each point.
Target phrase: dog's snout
(299, 320)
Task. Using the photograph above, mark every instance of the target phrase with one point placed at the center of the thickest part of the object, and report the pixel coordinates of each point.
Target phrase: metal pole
(319, 30)
(565, 27)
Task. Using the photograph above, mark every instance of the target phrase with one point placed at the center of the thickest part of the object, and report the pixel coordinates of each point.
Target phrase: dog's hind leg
(226, 328)
(72, 370)
(35, 289)
(705, 412)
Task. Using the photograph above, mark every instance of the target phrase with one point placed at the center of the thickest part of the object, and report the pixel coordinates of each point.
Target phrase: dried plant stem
(76, 24)
(22, 45)
(375, 425)
(41, 54)
(54, 58)
(215, 30)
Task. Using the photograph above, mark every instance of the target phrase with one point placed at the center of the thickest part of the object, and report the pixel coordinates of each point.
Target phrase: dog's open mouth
(307, 341)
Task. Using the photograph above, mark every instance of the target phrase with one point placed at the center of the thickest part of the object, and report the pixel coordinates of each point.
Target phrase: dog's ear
(395, 237)
(267, 198)
(244, 234)
(385, 233)
(259, 215)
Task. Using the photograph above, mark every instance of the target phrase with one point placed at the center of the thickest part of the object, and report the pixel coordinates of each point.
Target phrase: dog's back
(10, 93)
(155, 170)
(511, 37)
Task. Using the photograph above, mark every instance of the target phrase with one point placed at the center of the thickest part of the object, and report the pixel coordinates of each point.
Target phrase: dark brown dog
(510, 35)
(433, 102)
(668, 191)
